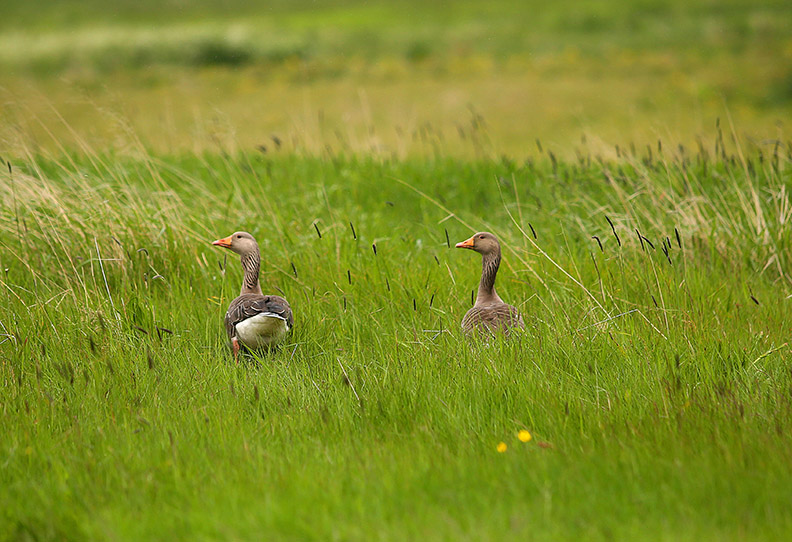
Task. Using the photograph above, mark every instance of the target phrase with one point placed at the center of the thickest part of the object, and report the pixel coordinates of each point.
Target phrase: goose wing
(492, 318)
(249, 305)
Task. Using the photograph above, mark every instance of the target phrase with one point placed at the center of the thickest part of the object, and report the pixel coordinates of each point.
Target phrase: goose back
(491, 319)
(250, 305)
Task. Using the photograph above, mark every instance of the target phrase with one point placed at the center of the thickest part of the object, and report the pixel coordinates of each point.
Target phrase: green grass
(358, 141)
(658, 386)
(228, 75)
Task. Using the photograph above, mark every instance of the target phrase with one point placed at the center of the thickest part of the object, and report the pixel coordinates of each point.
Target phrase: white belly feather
(261, 330)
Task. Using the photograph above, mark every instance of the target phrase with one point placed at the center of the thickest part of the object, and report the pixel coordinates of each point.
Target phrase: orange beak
(225, 242)
(466, 244)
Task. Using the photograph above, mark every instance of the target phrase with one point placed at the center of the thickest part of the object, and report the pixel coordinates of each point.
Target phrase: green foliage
(381, 74)
(654, 373)
(653, 376)
(63, 35)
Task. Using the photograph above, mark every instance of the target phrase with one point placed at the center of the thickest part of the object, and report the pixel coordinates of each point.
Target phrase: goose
(489, 314)
(254, 321)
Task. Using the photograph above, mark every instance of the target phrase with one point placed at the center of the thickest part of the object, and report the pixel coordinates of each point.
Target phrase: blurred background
(462, 78)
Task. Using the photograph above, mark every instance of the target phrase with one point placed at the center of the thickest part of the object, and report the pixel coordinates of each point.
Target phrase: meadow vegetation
(652, 272)
(654, 373)
(400, 78)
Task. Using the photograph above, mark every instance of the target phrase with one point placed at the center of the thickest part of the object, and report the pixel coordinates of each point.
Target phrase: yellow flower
(524, 435)
(501, 447)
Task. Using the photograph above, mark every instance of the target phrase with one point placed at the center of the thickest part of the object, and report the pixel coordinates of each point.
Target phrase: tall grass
(653, 376)
(374, 73)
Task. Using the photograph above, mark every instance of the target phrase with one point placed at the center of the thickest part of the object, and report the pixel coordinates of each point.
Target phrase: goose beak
(225, 242)
(466, 244)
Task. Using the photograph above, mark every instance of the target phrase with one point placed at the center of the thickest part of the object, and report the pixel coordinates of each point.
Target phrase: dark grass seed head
(613, 229)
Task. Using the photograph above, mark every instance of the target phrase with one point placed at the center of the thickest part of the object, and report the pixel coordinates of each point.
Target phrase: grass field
(632, 158)
(466, 78)
(659, 386)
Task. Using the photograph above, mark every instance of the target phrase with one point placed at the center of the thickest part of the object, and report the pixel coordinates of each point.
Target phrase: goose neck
(251, 262)
(489, 271)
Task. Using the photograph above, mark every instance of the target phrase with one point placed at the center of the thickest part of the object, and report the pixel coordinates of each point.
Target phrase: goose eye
(239, 237)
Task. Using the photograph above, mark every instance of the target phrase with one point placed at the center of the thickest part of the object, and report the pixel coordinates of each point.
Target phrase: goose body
(254, 321)
(489, 314)
(483, 318)
(262, 330)
(258, 321)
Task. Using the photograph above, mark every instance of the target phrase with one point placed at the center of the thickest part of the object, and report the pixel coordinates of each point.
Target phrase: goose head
(482, 242)
(240, 242)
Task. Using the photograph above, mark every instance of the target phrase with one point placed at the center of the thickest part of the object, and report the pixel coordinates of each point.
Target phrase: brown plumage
(489, 314)
(254, 321)
(248, 305)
